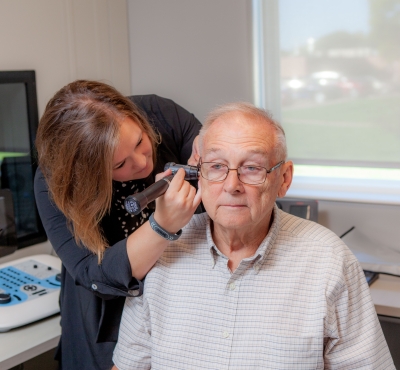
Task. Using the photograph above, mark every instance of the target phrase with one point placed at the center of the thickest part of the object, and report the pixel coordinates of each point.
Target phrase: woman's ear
(286, 178)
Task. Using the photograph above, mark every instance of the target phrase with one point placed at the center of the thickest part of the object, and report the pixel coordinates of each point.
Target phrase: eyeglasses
(251, 175)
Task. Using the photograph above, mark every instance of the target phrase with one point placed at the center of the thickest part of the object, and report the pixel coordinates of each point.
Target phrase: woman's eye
(140, 141)
(119, 166)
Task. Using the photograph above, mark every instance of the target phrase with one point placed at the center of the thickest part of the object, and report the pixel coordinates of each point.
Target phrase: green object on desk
(11, 154)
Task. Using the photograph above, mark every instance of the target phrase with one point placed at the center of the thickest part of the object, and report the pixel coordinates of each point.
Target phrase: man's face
(237, 140)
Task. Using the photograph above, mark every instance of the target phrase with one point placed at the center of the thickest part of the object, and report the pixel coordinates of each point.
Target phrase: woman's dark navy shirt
(92, 295)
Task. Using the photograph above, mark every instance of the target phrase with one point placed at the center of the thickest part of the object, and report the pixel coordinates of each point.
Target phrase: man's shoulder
(182, 259)
(303, 228)
(194, 235)
(191, 246)
(313, 236)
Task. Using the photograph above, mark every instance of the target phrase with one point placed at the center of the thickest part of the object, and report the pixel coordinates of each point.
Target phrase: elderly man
(248, 286)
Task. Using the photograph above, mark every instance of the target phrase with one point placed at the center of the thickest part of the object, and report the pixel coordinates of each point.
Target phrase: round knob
(30, 288)
(5, 298)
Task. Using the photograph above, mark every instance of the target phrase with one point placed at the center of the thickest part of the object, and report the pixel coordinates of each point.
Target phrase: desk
(22, 344)
(385, 293)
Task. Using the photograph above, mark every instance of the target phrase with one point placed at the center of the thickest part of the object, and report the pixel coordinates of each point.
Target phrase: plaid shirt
(300, 302)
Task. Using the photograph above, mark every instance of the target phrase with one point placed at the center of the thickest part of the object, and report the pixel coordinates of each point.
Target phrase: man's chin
(233, 223)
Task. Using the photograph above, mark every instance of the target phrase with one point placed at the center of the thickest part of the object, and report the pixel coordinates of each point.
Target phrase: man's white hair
(248, 109)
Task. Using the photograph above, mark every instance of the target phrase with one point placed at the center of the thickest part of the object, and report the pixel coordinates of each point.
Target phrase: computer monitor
(304, 208)
(8, 235)
(18, 125)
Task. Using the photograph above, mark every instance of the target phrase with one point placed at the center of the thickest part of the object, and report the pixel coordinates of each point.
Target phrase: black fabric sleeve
(177, 127)
(112, 278)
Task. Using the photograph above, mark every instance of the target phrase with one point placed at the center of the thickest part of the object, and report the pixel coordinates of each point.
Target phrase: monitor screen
(18, 125)
(8, 237)
(304, 208)
(302, 211)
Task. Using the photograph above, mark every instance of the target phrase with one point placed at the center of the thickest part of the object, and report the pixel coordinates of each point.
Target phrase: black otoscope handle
(134, 204)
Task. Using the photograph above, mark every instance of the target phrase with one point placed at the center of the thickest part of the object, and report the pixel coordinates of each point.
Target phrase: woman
(96, 147)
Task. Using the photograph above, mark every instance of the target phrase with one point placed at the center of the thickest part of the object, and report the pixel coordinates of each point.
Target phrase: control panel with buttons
(29, 290)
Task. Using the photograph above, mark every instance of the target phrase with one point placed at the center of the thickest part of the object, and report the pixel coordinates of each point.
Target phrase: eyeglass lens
(247, 174)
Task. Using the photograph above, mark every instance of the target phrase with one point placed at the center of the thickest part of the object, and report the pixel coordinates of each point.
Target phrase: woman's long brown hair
(76, 140)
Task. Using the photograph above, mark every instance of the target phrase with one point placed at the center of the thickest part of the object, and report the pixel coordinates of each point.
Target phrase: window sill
(349, 184)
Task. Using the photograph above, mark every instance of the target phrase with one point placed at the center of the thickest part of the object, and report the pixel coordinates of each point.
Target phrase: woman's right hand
(173, 211)
(176, 206)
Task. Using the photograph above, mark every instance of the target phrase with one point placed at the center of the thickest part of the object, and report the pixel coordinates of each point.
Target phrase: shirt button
(94, 286)
(232, 286)
(225, 334)
(256, 268)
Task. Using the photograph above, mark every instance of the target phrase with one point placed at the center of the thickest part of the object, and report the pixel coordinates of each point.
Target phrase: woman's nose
(139, 161)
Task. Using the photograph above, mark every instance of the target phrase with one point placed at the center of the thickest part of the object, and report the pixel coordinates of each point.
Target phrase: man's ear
(195, 156)
(286, 177)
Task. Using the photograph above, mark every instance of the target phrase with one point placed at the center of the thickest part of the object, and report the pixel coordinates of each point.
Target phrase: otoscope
(134, 204)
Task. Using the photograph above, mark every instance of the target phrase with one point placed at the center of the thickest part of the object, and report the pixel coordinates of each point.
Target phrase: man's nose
(232, 182)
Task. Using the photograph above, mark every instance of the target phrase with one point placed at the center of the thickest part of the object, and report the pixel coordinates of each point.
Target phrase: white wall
(64, 40)
(196, 52)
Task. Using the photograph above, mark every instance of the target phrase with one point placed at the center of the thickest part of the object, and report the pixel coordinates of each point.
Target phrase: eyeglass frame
(238, 174)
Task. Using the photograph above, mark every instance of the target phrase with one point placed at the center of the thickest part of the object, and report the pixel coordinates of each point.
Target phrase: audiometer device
(29, 290)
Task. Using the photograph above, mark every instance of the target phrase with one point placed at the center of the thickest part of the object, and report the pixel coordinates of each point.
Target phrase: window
(329, 70)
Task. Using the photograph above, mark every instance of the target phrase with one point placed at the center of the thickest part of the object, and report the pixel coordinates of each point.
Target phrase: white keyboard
(29, 290)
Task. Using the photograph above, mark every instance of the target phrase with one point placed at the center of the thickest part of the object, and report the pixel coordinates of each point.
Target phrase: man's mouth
(234, 205)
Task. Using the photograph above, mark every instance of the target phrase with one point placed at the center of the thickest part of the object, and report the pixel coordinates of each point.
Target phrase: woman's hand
(177, 205)
(174, 209)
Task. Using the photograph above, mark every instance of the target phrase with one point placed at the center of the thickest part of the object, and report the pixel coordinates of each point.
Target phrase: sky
(301, 20)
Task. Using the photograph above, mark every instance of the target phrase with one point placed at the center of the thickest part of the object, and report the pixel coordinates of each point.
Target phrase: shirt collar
(263, 249)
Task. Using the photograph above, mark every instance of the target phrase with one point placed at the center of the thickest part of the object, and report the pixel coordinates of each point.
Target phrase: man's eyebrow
(258, 151)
